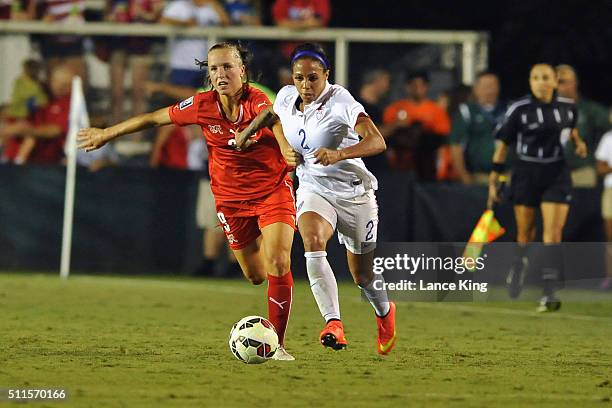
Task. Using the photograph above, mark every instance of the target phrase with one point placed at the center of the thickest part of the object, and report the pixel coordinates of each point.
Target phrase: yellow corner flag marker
(487, 230)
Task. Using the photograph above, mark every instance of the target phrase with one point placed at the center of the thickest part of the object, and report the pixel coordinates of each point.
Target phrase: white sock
(378, 298)
(323, 284)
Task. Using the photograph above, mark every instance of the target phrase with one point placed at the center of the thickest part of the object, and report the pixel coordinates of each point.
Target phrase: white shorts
(356, 219)
(206, 212)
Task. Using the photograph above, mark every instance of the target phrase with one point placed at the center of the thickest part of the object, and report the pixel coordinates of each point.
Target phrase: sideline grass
(139, 342)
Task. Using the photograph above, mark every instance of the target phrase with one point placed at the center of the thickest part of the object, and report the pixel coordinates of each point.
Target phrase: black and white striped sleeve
(508, 129)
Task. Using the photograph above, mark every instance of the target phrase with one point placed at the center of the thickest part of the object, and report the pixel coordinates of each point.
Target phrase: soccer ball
(253, 340)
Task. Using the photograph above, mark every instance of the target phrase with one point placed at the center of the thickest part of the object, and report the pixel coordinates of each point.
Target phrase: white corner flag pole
(78, 119)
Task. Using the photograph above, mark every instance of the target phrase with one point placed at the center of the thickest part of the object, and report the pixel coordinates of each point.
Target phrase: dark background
(522, 33)
(137, 220)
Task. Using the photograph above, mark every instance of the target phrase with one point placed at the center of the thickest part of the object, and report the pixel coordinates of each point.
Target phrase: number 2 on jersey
(369, 228)
(302, 133)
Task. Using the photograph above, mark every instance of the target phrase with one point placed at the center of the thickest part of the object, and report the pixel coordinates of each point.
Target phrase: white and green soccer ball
(253, 340)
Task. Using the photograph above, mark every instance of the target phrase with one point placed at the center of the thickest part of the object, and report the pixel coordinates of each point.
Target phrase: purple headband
(311, 54)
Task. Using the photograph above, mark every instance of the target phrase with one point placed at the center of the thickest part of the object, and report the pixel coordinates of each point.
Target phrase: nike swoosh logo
(279, 304)
(384, 348)
(262, 104)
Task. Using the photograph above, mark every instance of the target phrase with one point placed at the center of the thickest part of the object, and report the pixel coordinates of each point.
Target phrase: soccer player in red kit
(253, 193)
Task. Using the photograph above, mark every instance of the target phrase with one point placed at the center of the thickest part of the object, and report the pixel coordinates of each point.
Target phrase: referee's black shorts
(534, 183)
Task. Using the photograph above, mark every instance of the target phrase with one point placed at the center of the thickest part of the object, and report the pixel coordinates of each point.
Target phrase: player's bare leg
(554, 216)
(315, 232)
(372, 285)
(525, 226)
(276, 255)
(251, 262)
(256, 266)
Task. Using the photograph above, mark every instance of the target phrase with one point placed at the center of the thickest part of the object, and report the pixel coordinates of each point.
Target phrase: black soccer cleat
(332, 335)
(516, 277)
(329, 340)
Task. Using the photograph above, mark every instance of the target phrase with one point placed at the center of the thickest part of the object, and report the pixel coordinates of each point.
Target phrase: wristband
(499, 167)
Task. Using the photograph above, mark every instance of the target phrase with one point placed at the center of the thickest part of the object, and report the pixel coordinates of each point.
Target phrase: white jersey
(604, 154)
(327, 122)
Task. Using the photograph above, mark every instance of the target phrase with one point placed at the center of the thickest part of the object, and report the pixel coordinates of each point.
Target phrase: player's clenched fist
(327, 156)
(292, 157)
(90, 139)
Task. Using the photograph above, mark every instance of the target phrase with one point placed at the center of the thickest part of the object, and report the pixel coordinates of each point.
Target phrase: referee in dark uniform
(538, 126)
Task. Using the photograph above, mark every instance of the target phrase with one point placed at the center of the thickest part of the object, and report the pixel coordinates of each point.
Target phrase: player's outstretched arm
(90, 139)
(266, 118)
(372, 143)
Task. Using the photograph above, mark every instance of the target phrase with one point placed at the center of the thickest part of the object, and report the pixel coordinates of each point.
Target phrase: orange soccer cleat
(386, 331)
(332, 335)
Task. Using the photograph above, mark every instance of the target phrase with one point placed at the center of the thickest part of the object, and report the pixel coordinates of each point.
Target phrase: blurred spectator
(14, 47)
(28, 93)
(15, 10)
(449, 101)
(135, 50)
(301, 14)
(374, 88)
(183, 51)
(181, 148)
(472, 141)
(6, 7)
(64, 50)
(27, 96)
(244, 12)
(593, 121)
(603, 155)
(416, 128)
(48, 127)
(98, 159)
(297, 15)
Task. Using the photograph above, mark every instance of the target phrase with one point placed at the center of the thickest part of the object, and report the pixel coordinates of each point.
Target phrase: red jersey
(46, 151)
(51, 151)
(234, 175)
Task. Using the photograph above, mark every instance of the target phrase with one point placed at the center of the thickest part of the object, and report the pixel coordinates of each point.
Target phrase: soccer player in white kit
(323, 125)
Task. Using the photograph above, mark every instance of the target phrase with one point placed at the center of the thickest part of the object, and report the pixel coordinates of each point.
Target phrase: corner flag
(78, 119)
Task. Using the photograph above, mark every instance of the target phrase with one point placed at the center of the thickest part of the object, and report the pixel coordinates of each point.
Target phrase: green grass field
(141, 342)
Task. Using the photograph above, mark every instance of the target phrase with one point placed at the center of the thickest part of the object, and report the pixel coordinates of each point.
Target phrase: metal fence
(473, 55)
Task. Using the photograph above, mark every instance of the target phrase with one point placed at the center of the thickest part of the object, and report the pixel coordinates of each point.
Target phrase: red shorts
(242, 221)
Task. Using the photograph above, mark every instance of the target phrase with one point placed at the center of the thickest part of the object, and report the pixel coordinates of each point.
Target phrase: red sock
(280, 294)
